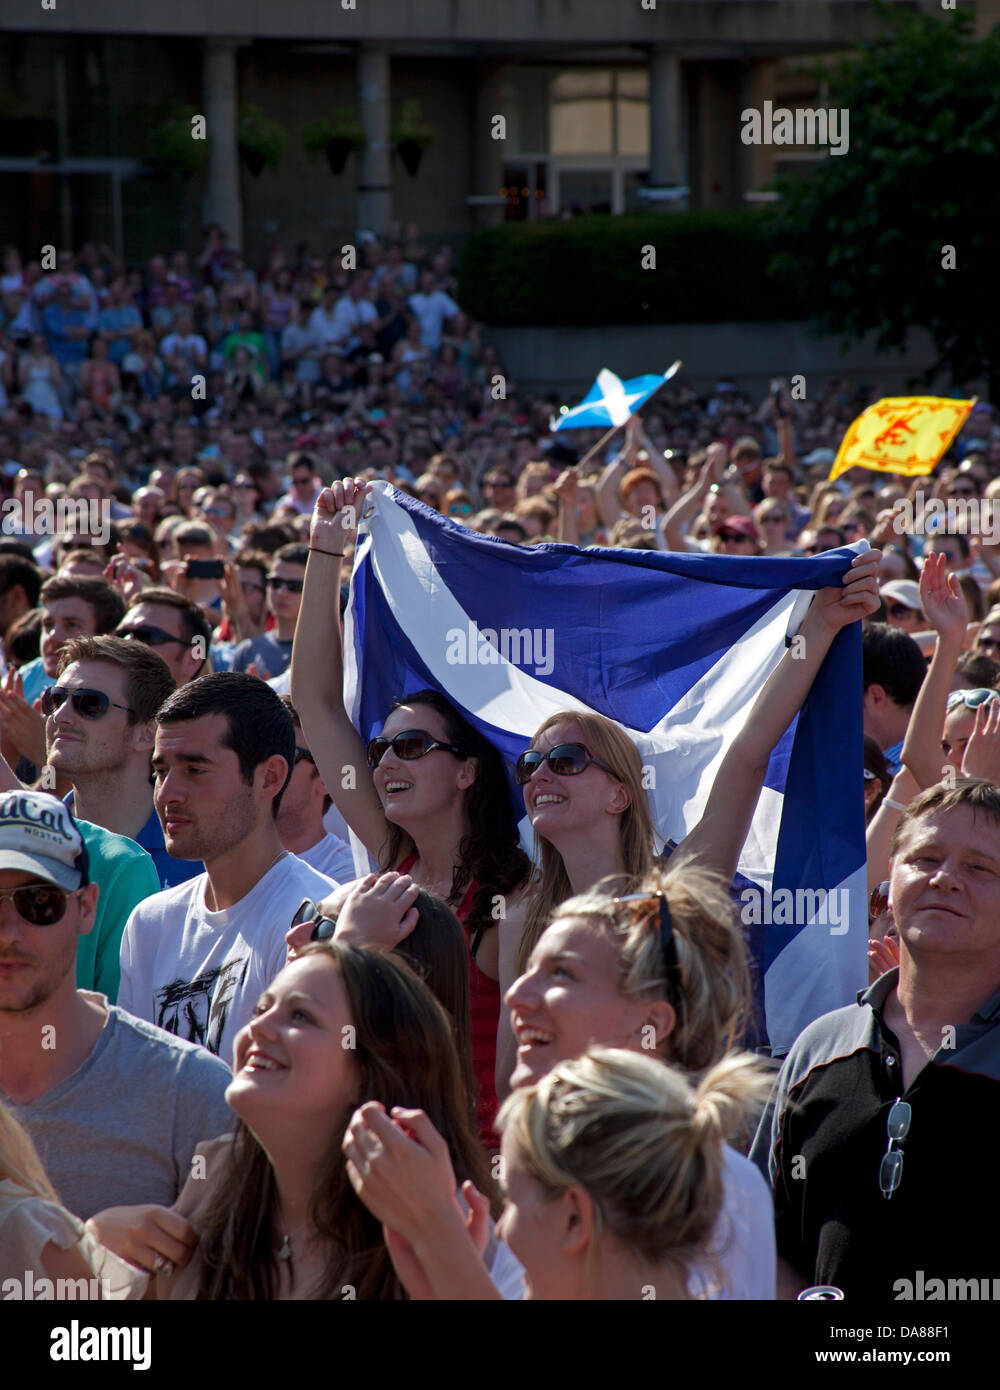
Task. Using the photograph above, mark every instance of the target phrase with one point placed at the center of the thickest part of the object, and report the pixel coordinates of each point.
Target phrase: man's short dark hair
(268, 536)
(193, 621)
(248, 559)
(258, 724)
(14, 571)
(148, 682)
(890, 658)
(980, 670)
(294, 554)
(103, 598)
(194, 533)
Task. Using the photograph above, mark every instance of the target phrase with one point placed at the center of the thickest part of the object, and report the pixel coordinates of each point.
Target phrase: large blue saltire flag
(611, 401)
(675, 648)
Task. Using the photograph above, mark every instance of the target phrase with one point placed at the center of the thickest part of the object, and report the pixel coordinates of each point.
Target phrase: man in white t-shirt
(303, 806)
(196, 958)
(432, 308)
(186, 343)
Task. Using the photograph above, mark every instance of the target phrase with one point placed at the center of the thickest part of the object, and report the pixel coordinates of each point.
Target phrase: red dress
(484, 1019)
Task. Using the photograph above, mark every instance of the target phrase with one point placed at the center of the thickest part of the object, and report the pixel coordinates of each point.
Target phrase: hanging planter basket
(254, 161)
(338, 151)
(411, 152)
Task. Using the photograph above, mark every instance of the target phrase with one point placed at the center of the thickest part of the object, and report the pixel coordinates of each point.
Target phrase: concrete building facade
(536, 108)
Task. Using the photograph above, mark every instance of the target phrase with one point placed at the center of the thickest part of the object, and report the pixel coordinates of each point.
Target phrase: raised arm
(567, 489)
(674, 525)
(659, 465)
(716, 841)
(945, 609)
(318, 666)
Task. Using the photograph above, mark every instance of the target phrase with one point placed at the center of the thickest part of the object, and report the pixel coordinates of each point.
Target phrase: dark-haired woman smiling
(436, 805)
(274, 1211)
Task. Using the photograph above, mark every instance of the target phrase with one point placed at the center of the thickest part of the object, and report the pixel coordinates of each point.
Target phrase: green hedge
(710, 267)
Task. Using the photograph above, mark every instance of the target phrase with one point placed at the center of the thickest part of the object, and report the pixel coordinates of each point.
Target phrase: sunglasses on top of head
(407, 745)
(566, 760)
(323, 928)
(971, 699)
(89, 704)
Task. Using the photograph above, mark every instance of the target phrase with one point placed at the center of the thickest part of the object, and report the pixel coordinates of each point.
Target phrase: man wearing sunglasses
(875, 1101)
(175, 628)
(99, 732)
(271, 652)
(114, 1107)
(75, 606)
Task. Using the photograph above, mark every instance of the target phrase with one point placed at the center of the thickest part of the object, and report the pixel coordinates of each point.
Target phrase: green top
(125, 874)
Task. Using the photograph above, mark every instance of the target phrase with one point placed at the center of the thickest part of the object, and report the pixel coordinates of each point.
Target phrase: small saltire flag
(611, 401)
(901, 434)
(675, 648)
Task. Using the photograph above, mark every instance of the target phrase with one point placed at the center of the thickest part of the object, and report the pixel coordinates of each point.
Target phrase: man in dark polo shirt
(877, 1103)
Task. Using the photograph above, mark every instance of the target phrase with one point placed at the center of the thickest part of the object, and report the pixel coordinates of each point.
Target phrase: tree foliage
(864, 237)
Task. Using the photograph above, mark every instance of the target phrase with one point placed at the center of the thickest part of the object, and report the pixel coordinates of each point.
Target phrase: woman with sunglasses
(273, 1208)
(436, 804)
(583, 778)
(773, 520)
(662, 974)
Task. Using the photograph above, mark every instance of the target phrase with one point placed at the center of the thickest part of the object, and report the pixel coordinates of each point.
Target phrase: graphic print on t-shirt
(187, 1008)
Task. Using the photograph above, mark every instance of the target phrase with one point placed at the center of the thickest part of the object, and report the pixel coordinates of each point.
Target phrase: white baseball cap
(39, 836)
(904, 591)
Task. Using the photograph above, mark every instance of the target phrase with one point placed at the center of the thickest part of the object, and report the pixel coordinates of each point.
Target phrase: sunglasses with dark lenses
(408, 745)
(89, 704)
(149, 636)
(323, 927)
(878, 903)
(303, 754)
(890, 1173)
(899, 610)
(668, 942)
(40, 904)
(971, 699)
(567, 760)
(294, 586)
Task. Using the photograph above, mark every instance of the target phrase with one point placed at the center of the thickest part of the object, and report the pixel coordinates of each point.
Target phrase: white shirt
(189, 346)
(743, 1239)
(199, 974)
(348, 315)
(331, 857)
(325, 327)
(431, 311)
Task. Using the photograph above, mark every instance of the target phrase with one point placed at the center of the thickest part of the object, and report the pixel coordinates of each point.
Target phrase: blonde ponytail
(645, 1144)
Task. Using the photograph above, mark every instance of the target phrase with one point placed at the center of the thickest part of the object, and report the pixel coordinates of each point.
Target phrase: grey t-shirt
(265, 652)
(123, 1128)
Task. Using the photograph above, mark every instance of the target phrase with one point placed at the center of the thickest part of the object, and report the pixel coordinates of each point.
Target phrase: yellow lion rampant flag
(901, 434)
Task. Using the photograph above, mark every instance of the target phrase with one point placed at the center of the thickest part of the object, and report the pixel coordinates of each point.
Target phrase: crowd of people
(300, 1053)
